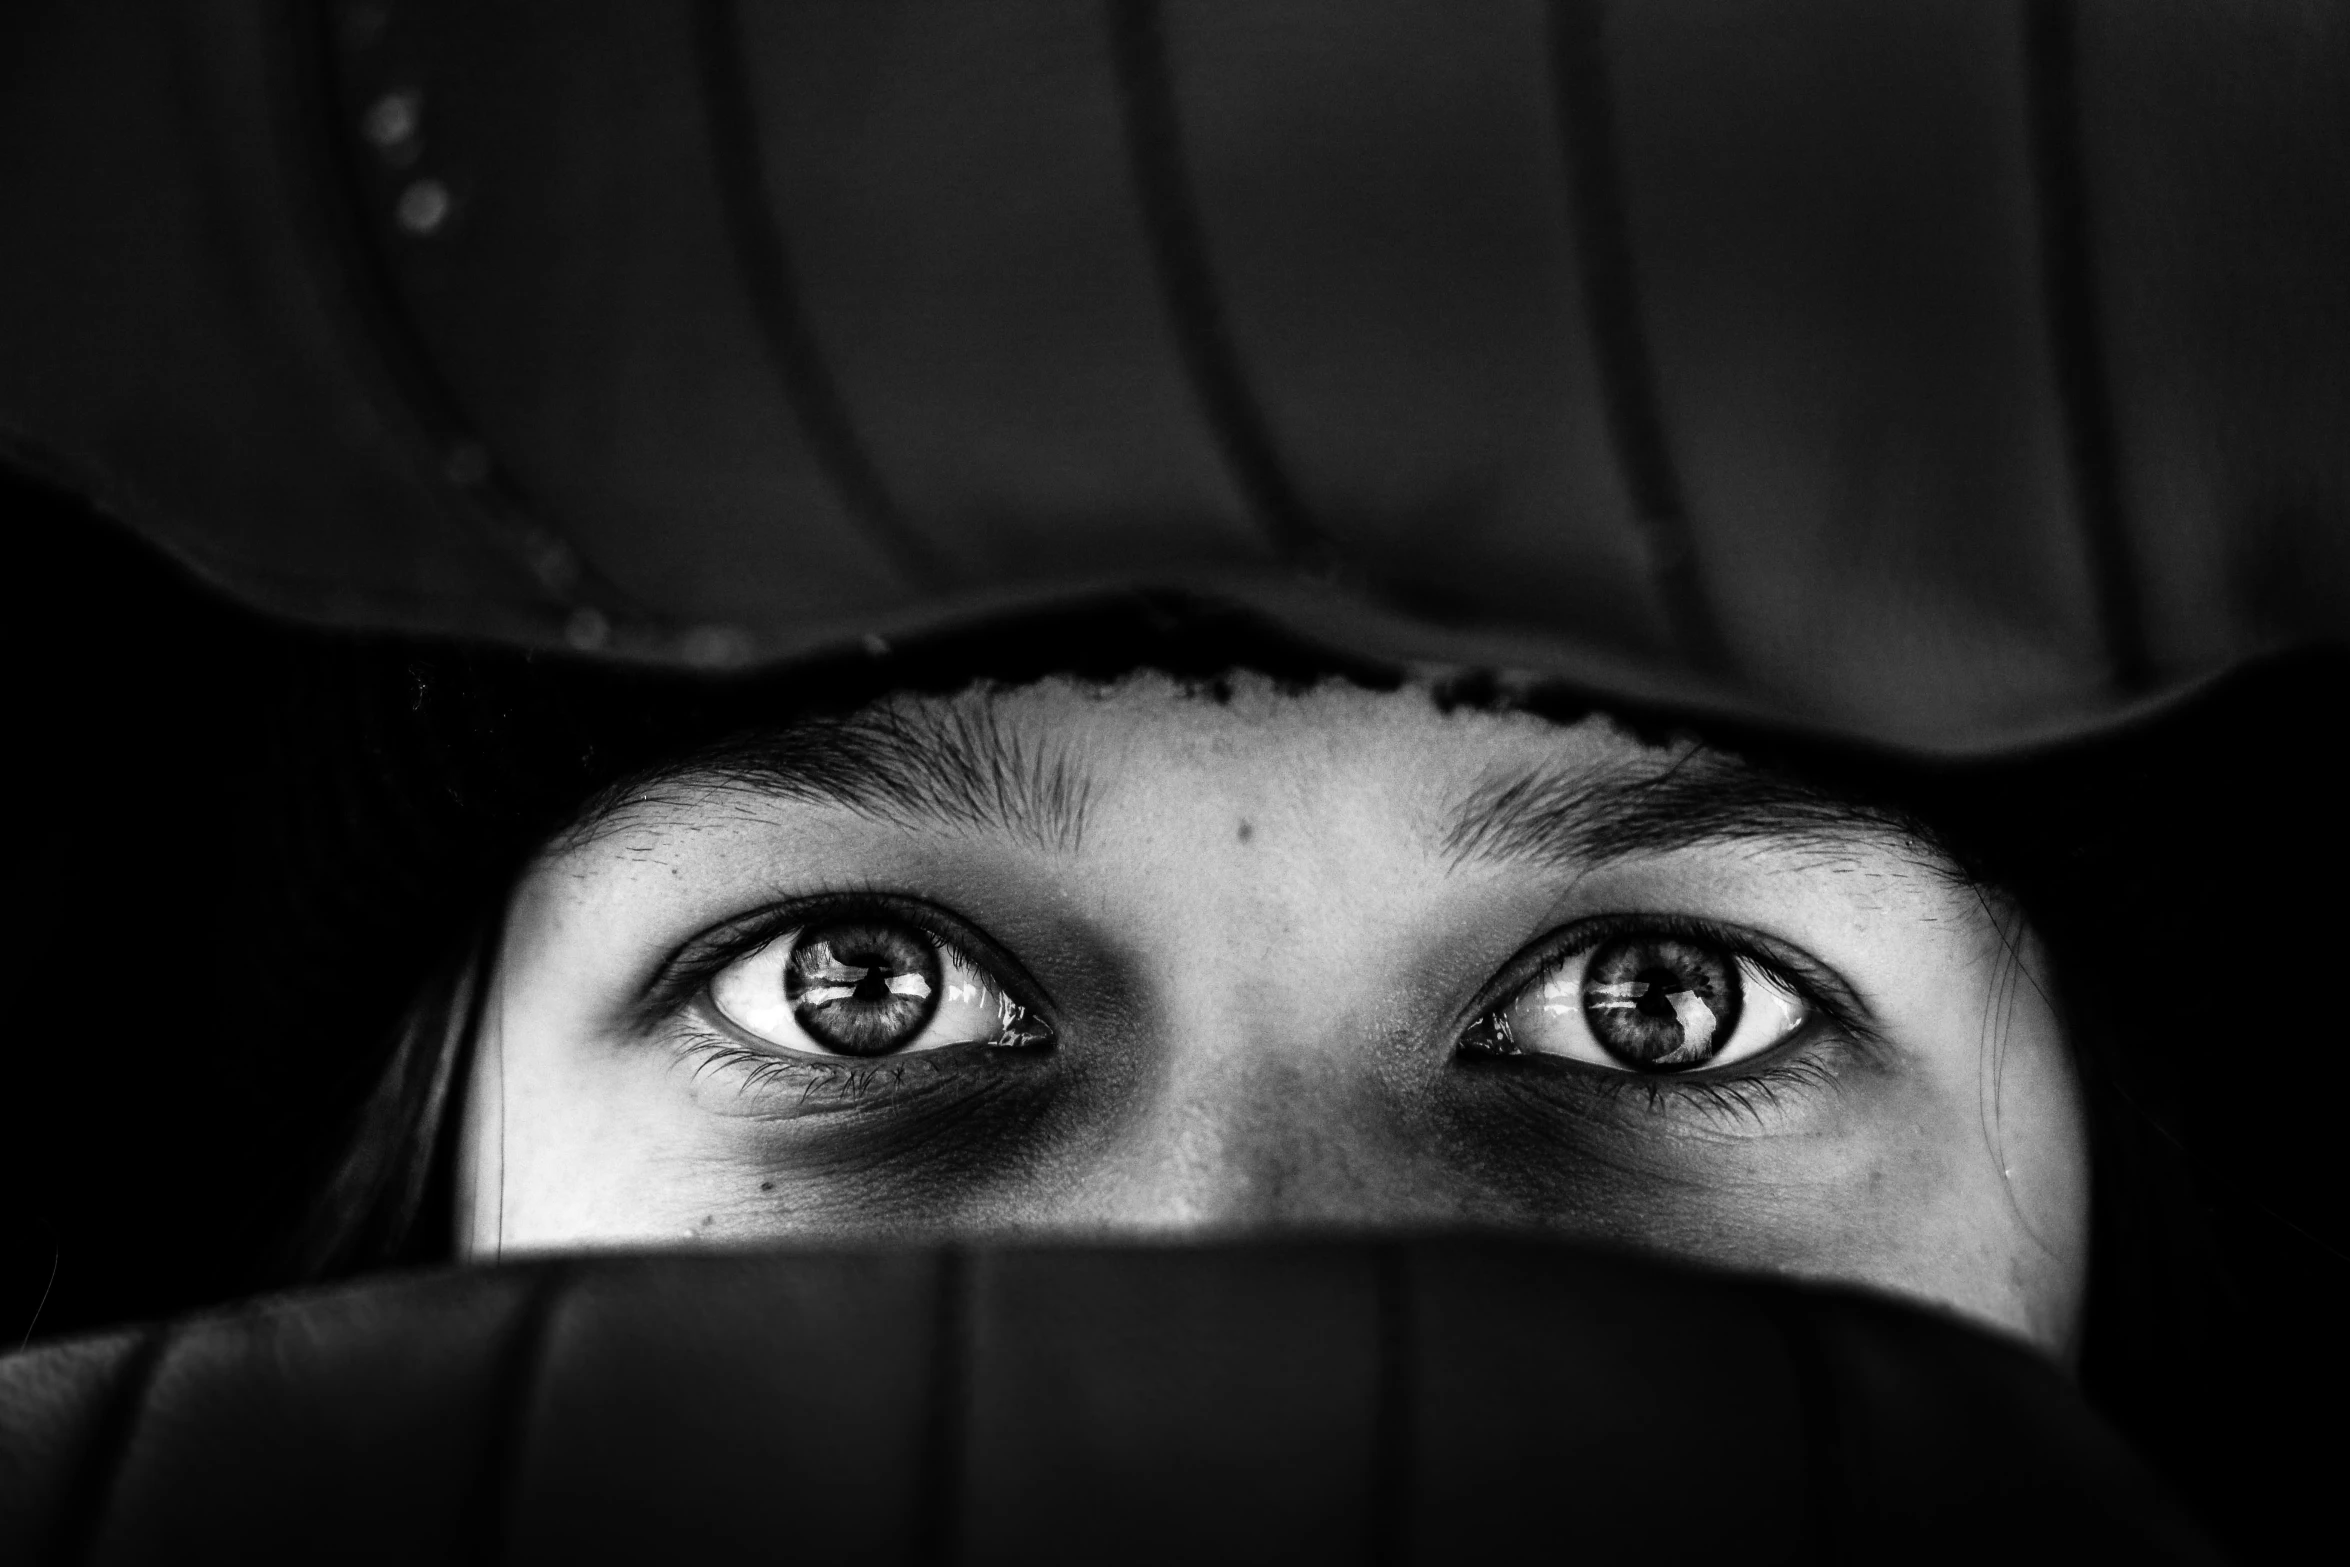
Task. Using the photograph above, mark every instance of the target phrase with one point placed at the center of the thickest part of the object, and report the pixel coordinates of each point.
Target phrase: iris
(862, 988)
(1655, 1002)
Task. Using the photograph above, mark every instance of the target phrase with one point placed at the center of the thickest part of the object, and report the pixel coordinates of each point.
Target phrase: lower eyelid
(706, 1048)
(806, 1081)
(1735, 1099)
(787, 1087)
(1749, 1096)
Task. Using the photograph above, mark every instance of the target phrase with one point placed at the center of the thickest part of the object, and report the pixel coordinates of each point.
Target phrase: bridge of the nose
(1272, 915)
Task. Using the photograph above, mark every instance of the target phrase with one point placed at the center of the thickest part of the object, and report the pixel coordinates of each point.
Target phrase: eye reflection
(1646, 1002)
(862, 988)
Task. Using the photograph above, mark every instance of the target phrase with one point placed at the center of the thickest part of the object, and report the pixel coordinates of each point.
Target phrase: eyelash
(1746, 1091)
(673, 999)
(758, 1070)
(1748, 1096)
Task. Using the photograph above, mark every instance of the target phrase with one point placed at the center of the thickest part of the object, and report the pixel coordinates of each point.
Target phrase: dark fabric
(1438, 1401)
(1950, 374)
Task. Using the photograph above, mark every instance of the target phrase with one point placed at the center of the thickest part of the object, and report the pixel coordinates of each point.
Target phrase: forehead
(1044, 756)
(1248, 724)
(1048, 761)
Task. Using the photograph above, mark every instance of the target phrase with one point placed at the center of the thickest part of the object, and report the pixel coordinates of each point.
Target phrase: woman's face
(1081, 961)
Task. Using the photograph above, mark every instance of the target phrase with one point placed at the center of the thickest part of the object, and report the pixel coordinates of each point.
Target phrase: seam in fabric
(1187, 283)
(388, 354)
(945, 1434)
(82, 1521)
(1596, 212)
(770, 282)
(1825, 1485)
(2051, 47)
(1394, 1408)
(486, 1523)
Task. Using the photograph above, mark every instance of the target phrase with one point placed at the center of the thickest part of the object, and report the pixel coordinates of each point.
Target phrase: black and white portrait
(970, 781)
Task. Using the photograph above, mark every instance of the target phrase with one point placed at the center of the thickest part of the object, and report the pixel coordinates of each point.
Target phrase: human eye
(858, 985)
(1658, 998)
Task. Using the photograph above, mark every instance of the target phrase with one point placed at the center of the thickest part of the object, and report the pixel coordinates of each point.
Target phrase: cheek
(1961, 1169)
(2041, 1144)
(1967, 1186)
(569, 1140)
(1930, 1179)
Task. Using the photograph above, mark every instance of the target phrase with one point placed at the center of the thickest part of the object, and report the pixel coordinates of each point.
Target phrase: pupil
(862, 988)
(1660, 1004)
(1657, 1001)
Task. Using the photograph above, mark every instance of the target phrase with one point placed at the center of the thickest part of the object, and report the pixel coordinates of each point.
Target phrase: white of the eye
(749, 993)
(1768, 1002)
(1769, 1014)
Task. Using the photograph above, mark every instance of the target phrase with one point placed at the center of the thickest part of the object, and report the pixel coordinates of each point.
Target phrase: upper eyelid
(740, 935)
(688, 967)
(682, 976)
(1812, 979)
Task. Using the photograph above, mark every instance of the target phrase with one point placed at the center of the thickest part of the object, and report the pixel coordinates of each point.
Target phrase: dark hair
(342, 818)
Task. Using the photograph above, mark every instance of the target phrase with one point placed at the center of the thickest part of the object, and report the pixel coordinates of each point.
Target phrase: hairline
(913, 760)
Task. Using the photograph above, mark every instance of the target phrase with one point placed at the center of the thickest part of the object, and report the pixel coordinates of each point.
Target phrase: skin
(1259, 953)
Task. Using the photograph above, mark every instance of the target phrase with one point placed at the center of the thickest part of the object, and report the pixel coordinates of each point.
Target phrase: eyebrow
(913, 765)
(1559, 817)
